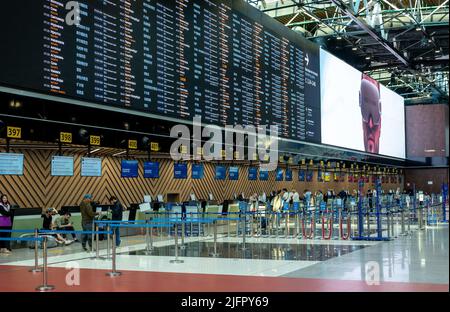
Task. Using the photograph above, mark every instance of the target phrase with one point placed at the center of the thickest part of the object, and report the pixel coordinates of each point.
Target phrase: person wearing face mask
(5, 224)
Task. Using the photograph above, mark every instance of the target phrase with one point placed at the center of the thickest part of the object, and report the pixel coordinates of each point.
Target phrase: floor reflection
(267, 251)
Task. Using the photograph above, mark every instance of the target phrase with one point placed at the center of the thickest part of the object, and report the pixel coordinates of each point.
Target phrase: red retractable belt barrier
(330, 227)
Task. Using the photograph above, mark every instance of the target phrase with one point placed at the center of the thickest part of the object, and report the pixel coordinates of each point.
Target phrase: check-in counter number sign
(154, 146)
(132, 144)
(14, 132)
(65, 137)
(94, 140)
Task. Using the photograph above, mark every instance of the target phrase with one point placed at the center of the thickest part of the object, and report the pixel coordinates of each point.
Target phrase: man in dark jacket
(87, 219)
(116, 215)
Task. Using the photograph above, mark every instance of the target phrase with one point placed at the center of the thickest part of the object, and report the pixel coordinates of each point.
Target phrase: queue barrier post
(114, 271)
(45, 286)
(36, 268)
(243, 247)
(147, 238)
(108, 241)
(176, 260)
(215, 254)
(92, 238)
(183, 228)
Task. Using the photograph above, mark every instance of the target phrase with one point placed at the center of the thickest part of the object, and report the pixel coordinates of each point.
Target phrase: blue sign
(309, 176)
(288, 175)
(279, 176)
(62, 166)
(180, 171)
(11, 164)
(151, 170)
(319, 175)
(263, 175)
(233, 173)
(221, 172)
(129, 169)
(91, 167)
(197, 171)
(252, 173)
(301, 175)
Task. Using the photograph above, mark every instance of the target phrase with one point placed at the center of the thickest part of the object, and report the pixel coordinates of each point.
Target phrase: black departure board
(222, 60)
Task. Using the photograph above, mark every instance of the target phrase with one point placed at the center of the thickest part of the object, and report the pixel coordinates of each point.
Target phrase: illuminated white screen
(341, 118)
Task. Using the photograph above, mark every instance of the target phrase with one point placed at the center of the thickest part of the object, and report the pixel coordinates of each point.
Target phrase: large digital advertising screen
(359, 113)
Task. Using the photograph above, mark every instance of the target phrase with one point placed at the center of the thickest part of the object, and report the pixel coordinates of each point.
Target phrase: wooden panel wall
(37, 188)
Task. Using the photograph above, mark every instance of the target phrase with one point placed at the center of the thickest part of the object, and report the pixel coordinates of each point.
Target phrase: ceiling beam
(347, 11)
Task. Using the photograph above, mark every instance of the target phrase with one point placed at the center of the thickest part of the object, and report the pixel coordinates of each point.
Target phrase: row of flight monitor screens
(233, 65)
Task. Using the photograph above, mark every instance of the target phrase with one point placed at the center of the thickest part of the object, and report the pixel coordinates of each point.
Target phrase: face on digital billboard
(359, 113)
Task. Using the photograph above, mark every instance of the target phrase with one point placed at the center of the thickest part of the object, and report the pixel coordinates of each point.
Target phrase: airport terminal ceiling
(401, 43)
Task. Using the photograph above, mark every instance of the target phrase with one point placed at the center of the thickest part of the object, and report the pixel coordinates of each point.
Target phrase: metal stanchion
(260, 223)
(44, 286)
(243, 233)
(147, 238)
(36, 254)
(277, 223)
(402, 222)
(286, 224)
(92, 237)
(296, 224)
(388, 225)
(176, 260)
(228, 225)
(215, 254)
(368, 224)
(190, 233)
(420, 210)
(392, 225)
(114, 271)
(108, 241)
(151, 239)
(96, 242)
(182, 246)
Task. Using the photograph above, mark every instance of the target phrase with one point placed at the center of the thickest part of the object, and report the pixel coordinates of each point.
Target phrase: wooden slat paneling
(37, 188)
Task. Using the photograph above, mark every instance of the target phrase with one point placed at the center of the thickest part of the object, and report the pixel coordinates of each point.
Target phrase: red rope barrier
(330, 227)
(349, 227)
(311, 233)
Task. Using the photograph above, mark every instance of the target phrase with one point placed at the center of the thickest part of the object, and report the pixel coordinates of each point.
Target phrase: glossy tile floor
(416, 262)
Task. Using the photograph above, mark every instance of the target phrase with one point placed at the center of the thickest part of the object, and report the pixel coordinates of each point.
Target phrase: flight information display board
(62, 166)
(11, 164)
(222, 60)
(91, 167)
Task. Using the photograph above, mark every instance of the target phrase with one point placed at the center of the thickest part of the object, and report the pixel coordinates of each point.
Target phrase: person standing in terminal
(370, 198)
(5, 223)
(295, 200)
(116, 215)
(307, 197)
(319, 198)
(87, 219)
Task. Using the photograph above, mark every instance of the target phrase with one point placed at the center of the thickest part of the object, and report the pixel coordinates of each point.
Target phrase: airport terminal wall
(37, 188)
